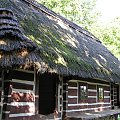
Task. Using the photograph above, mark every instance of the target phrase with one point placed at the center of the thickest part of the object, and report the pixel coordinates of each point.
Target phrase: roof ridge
(71, 24)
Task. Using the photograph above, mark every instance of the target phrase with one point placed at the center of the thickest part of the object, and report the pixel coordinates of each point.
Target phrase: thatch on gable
(15, 48)
(64, 47)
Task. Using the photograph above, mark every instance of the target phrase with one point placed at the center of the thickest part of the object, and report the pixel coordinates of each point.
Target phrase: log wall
(23, 95)
(91, 103)
(19, 96)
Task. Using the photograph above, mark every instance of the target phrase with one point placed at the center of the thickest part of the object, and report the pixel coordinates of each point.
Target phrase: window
(100, 94)
(82, 92)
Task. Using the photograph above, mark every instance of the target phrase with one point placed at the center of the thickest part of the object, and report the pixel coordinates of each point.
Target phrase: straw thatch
(15, 48)
(64, 47)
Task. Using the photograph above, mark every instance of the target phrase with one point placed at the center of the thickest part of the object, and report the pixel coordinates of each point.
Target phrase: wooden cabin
(51, 68)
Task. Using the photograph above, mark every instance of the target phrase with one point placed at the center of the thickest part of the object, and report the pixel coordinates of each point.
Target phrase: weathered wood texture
(19, 95)
(89, 104)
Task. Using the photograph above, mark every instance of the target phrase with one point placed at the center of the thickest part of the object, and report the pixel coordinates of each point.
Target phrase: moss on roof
(64, 46)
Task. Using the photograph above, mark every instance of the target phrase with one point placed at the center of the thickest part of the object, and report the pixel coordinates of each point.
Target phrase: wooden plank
(22, 103)
(86, 109)
(22, 109)
(23, 81)
(27, 71)
(65, 97)
(21, 114)
(2, 95)
(92, 97)
(22, 86)
(72, 88)
(36, 89)
(30, 117)
(106, 91)
(72, 101)
(23, 76)
(92, 90)
(106, 96)
(22, 90)
(87, 104)
(60, 97)
(22, 97)
(72, 96)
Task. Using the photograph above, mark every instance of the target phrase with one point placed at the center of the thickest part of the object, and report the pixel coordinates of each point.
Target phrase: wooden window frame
(82, 97)
(100, 93)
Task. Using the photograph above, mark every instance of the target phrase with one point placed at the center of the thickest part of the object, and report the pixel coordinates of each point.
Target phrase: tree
(109, 34)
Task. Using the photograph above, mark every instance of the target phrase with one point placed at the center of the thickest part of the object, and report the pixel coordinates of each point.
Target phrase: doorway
(47, 93)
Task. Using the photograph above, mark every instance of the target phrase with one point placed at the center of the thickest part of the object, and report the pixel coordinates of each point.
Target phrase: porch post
(65, 97)
(2, 94)
(112, 95)
(5, 94)
(36, 90)
(119, 95)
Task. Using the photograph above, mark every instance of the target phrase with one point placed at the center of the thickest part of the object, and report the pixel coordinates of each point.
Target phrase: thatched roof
(64, 47)
(15, 48)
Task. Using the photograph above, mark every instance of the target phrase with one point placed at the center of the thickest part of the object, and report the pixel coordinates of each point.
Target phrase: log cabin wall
(23, 95)
(20, 96)
(91, 103)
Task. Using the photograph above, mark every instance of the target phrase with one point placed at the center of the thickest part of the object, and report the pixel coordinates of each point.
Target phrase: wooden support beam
(116, 116)
(2, 95)
(36, 76)
(65, 97)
